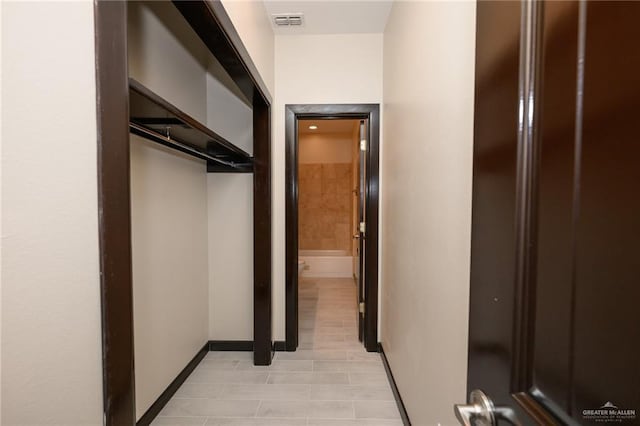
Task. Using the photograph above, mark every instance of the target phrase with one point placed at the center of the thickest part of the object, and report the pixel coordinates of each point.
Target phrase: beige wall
(312, 69)
(51, 344)
(168, 207)
(230, 205)
(254, 27)
(428, 119)
(169, 241)
(230, 196)
(1, 216)
(167, 56)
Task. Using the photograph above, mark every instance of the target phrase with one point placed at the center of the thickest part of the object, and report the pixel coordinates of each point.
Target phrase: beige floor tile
(201, 390)
(368, 379)
(206, 375)
(252, 421)
(363, 356)
(312, 355)
(349, 366)
(179, 421)
(376, 410)
(352, 392)
(267, 392)
(357, 422)
(209, 407)
(219, 364)
(310, 409)
(229, 355)
(243, 392)
(277, 365)
(309, 378)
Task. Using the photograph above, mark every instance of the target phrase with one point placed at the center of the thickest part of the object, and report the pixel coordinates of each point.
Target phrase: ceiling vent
(288, 19)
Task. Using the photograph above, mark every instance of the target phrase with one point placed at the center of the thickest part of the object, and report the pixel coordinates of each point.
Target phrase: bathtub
(326, 263)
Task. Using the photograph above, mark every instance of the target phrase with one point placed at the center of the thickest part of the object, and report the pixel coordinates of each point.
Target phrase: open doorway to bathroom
(332, 227)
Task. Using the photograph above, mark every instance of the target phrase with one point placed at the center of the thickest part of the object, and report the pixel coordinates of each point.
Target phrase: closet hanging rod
(150, 134)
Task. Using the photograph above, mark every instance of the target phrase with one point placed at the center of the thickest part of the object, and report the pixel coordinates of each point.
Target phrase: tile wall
(325, 206)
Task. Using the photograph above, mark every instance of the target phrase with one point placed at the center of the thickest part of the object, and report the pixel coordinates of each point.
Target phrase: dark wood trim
(114, 206)
(371, 231)
(154, 118)
(291, 237)
(240, 345)
(262, 257)
(211, 22)
(293, 113)
(231, 345)
(173, 387)
(394, 388)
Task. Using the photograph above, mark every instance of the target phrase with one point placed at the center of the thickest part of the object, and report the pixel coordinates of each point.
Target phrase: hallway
(329, 381)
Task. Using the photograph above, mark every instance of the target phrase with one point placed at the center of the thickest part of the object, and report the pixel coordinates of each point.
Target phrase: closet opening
(183, 152)
(331, 227)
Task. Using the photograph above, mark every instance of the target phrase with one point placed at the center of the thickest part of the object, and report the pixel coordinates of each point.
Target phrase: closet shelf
(153, 118)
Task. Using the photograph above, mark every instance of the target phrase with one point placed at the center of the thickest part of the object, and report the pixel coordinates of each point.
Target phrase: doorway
(352, 254)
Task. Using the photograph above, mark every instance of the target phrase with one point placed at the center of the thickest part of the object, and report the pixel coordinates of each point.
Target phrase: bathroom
(328, 198)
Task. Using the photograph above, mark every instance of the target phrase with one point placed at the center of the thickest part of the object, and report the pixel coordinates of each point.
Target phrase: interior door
(360, 234)
(553, 332)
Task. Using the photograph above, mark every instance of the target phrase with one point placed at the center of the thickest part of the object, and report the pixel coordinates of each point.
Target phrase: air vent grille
(288, 20)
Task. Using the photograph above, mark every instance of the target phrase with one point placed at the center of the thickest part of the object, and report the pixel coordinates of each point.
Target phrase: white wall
(168, 207)
(428, 119)
(230, 205)
(315, 69)
(51, 344)
(252, 23)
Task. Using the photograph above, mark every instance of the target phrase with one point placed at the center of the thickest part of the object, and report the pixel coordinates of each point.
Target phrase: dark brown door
(360, 234)
(554, 333)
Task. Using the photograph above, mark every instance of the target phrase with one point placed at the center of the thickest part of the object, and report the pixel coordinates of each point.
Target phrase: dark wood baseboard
(240, 345)
(165, 396)
(394, 388)
(230, 345)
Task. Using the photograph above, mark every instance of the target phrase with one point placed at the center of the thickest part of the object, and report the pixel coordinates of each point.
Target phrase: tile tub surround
(329, 381)
(324, 206)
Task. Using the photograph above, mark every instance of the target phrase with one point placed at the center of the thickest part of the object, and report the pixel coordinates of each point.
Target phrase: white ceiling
(332, 16)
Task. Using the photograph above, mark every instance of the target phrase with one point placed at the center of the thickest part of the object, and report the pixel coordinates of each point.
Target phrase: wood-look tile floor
(329, 381)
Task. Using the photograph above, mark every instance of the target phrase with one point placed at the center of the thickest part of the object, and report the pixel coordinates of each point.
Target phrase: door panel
(553, 317)
(555, 201)
(494, 184)
(607, 332)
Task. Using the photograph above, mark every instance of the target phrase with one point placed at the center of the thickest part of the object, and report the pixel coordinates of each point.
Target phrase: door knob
(480, 411)
(356, 236)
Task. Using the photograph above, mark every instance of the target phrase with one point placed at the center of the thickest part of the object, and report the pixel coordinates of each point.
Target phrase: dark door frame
(211, 22)
(293, 113)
